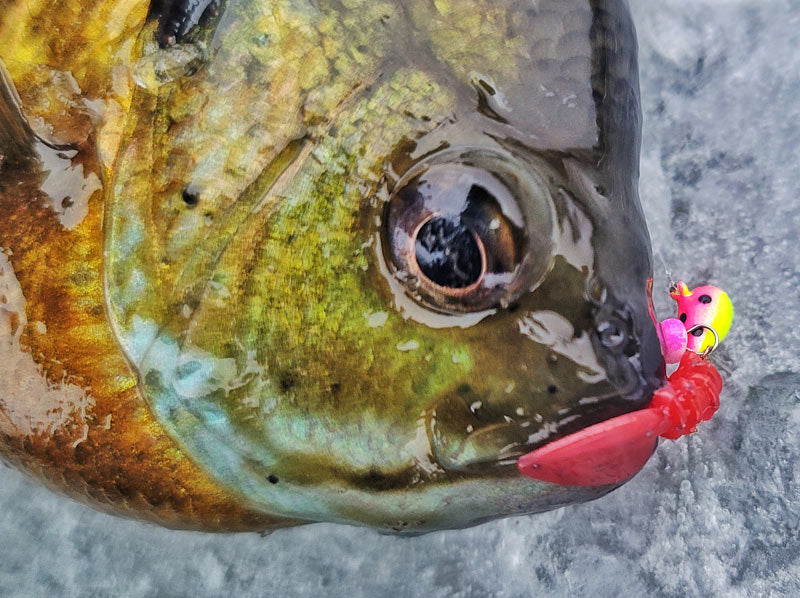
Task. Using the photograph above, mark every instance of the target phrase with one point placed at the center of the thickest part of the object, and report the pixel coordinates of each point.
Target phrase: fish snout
(583, 379)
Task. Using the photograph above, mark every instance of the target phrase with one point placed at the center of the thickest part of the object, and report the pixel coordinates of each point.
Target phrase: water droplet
(377, 319)
(411, 345)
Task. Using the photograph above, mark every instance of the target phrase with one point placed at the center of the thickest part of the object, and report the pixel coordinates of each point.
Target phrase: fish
(274, 262)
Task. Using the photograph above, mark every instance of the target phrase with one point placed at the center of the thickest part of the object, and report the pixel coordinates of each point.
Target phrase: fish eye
(705, 299)
(469, 232)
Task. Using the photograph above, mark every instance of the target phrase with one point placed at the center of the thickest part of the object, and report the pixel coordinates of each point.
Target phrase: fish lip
(608, 407)
(585, 422)
(632, 402)
(576, 419)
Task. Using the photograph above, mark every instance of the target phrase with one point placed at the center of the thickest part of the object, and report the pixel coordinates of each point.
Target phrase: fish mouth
(501, 445)
(464, 437)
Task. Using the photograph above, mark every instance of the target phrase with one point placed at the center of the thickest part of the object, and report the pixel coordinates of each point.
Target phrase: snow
(717, 514)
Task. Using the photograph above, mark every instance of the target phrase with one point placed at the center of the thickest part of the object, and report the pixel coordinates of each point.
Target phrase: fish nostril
(611, 334)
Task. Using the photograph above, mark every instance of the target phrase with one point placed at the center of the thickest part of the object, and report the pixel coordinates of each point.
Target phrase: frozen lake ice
(717, 514)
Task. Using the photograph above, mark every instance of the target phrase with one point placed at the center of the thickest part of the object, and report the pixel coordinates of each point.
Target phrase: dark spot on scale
(683, 318)
(190, 199)
(287, 382)
(464, 390)
(705, 299)
(273, 479)
(552, 389)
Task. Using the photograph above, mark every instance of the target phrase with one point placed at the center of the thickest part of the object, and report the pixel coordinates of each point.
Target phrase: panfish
(270, 262)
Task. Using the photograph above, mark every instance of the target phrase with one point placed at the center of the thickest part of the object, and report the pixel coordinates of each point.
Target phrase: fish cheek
(341, 368)
(270, 345)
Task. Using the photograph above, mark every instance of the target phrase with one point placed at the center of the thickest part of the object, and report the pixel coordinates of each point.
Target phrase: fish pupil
(448, 253)
(705, 299)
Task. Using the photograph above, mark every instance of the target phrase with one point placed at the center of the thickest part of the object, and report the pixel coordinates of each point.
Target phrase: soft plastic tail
(613, 451)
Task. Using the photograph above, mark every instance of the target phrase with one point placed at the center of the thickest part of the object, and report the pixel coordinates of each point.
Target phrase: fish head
(364, 255)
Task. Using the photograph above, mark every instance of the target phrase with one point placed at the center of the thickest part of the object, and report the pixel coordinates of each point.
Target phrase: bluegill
(275, 261)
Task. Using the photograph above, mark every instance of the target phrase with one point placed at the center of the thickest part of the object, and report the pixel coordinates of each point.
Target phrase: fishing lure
(705, 315)
(614, 450)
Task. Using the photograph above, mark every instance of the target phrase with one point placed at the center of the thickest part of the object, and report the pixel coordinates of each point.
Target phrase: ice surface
(717, 514)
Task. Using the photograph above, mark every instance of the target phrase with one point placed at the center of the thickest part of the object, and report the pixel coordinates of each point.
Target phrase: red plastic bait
(614, 450)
